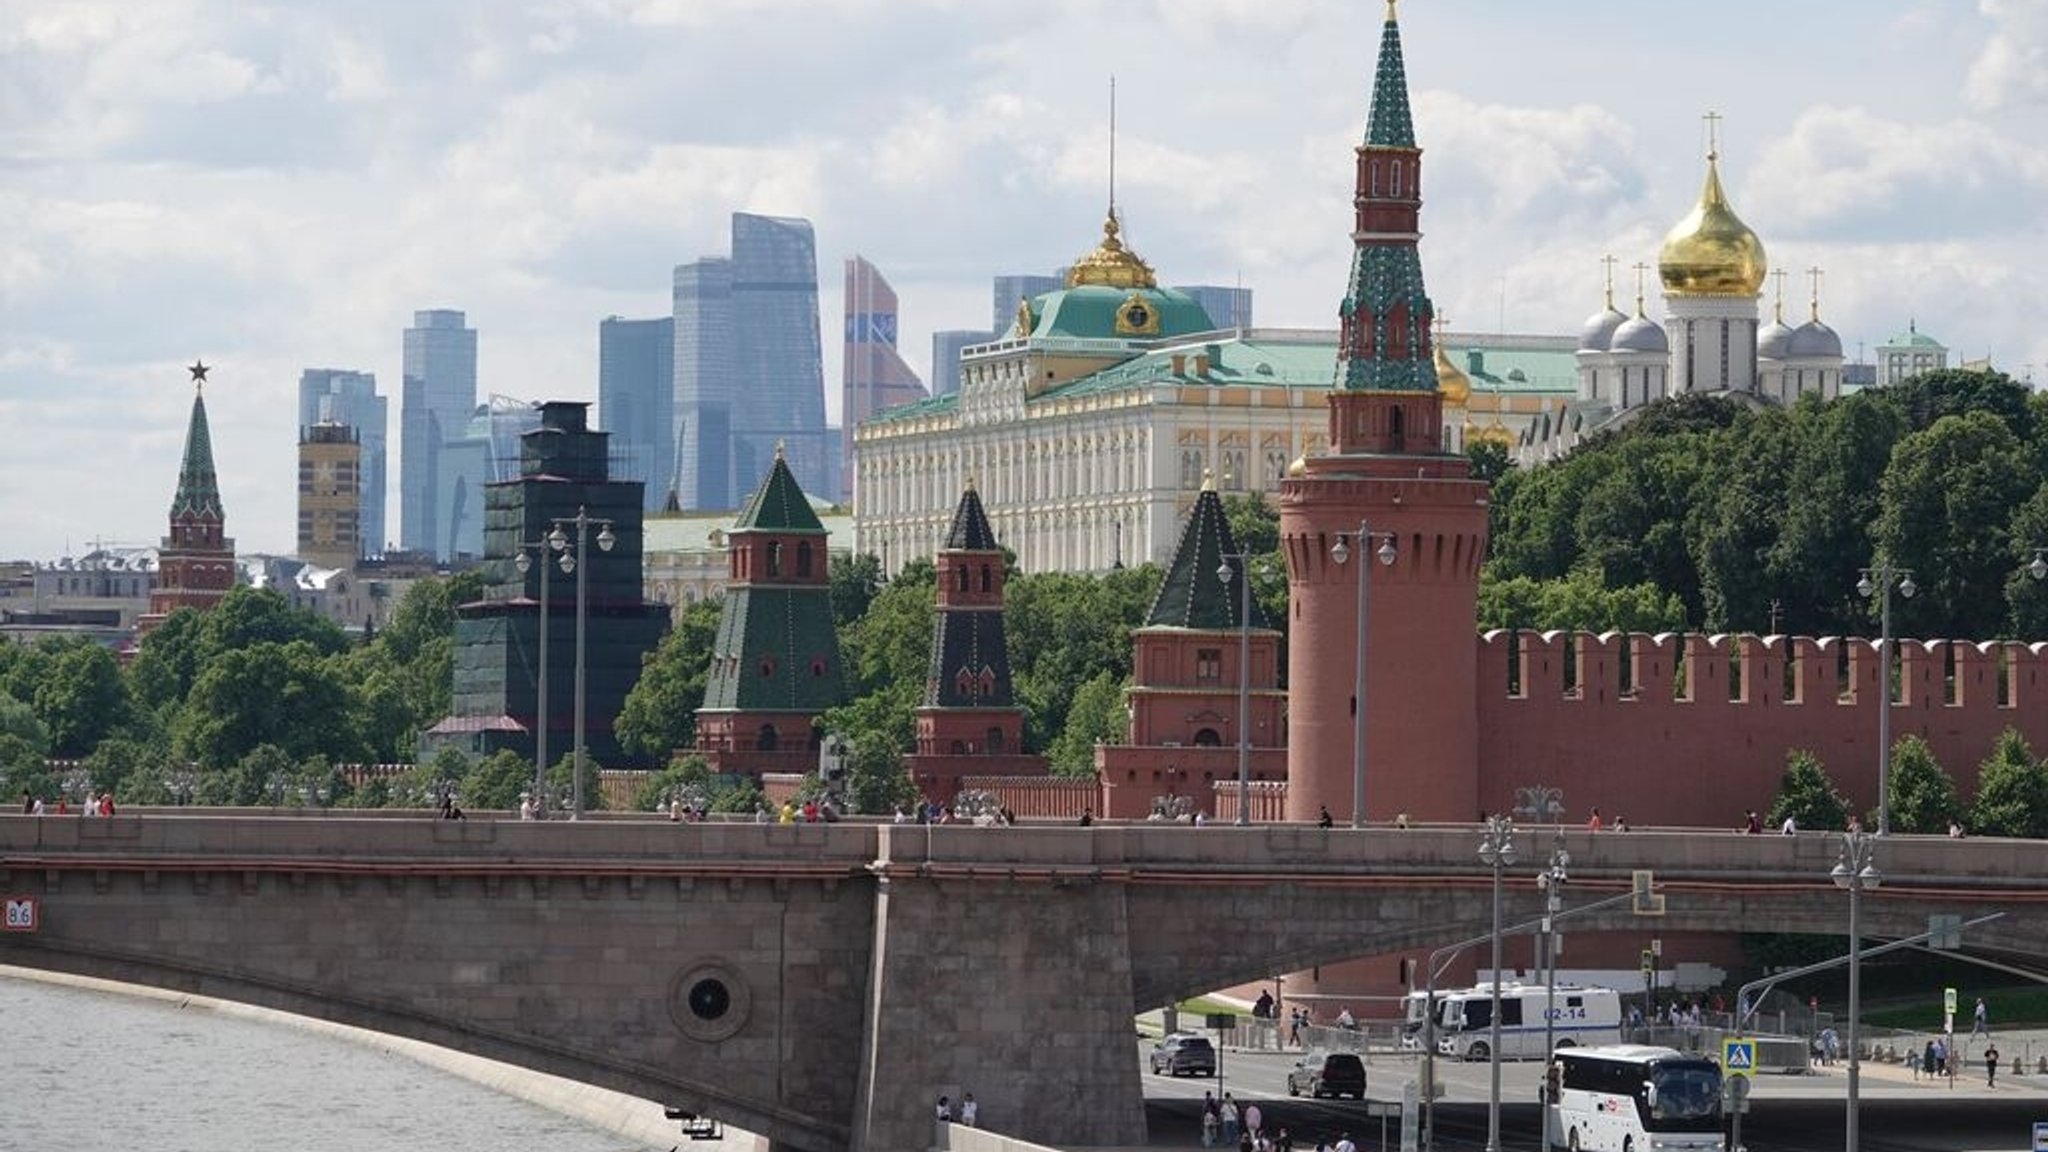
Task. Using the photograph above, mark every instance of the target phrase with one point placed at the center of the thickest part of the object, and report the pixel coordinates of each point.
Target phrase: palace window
(1208, 665)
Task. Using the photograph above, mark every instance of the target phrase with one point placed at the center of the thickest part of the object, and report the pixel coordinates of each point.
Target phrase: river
(94, 1071)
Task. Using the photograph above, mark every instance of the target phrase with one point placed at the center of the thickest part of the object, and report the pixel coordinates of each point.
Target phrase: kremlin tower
(1387, 505)
(196, 562)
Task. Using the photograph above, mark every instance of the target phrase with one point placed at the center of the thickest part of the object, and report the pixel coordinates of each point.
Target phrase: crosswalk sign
(1738, 1057)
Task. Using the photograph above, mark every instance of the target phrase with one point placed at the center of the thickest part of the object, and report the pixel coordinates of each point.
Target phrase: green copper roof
(198, 488)
(776, 652)
(1383, 275)
(1389, 126)
(1091, 311)
(971, 531)
(1912, 337)
(779, 505)
(1194, 595)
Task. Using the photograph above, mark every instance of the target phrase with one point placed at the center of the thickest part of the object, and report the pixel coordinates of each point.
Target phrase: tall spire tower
(1387, 505)
(196, 562)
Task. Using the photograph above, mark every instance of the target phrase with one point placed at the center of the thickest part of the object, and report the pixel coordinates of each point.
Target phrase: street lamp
(1341, 552)
(181, 783)
(2039, 568)
(1497, 850)
(1880, 581)
(576, 563)
(1855, 871)
(1226, 572)
(1551, 882)
(523, 560)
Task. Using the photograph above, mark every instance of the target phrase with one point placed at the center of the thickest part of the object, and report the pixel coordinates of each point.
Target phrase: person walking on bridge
(1991, 1066)
(1983, 1020)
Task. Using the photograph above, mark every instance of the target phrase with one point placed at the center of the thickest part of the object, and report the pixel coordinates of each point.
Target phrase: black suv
(1183, 1055)
(1328, 1074)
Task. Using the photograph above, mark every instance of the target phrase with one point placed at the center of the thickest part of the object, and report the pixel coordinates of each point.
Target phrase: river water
(89, 1071)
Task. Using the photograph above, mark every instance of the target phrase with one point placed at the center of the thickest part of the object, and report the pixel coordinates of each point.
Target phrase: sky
(276, 186)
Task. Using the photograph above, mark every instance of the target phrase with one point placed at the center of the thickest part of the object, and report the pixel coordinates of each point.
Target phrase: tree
(1578, 602)
(130, 769)
(2027, 598)
(282, 694)
(168, 661)
(1489, 461)
(856, 581)
(660, 713)
(1063, 630)
(1253, 523)
(1923, 797)
(1948, 501)
(1096, 716)
(1807, 794)
(497, 781)
(2012, 791)
(248, 616)
(82, 699)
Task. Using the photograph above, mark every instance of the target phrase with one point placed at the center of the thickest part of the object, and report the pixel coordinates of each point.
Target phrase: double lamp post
(555, 546)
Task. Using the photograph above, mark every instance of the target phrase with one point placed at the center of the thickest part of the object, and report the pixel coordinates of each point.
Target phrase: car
(1183, 1054)
(1327, 1074)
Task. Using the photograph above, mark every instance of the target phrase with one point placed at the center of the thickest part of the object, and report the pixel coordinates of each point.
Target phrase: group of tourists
(96, 804)
(1225, 1125)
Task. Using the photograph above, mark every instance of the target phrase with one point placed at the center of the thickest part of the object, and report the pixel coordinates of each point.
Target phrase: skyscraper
(873, 373)
(946, 346)
(749, 364)
(1227, 307)
(1007, 290)
(350, 398)
(330, 495)
(435, 406)
(483, 450)
(636, 401)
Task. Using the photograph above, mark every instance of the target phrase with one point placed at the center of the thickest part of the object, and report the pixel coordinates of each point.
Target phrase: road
(1789, 1114)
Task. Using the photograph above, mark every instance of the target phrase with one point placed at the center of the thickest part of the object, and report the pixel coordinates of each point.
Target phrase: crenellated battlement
(1616, 717)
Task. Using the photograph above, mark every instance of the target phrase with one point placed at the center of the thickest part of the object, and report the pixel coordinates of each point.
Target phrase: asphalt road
(1793, 1114)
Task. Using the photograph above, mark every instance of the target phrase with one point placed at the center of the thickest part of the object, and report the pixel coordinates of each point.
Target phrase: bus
(1633, 1098)
(1579, 1015)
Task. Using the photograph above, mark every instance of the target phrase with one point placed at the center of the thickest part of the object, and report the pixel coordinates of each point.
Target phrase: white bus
(1633, 1098)
(1579, 1016)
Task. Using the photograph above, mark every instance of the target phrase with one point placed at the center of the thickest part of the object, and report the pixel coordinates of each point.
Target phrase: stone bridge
(823, 984)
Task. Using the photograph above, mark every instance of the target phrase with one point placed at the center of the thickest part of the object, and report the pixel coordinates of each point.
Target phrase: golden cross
(1642, 270)
(1713, 120)
(1608, 262)
(1815, 273)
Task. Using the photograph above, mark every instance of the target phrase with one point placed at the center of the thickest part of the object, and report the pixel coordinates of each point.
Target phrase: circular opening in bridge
(710, 999)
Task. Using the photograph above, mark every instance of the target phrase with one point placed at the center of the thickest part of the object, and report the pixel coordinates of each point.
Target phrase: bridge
(823, 984)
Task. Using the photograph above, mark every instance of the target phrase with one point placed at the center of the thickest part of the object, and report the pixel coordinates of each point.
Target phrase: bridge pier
(1028, 1006)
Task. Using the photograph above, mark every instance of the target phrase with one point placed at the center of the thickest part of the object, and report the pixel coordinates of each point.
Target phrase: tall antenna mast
(1112, 145)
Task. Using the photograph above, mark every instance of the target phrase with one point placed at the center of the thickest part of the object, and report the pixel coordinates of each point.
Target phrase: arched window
(1396, 189)
(803, 558)
(1207, 738)
(960, 579)
(775, 558)
(1373, 178)
(985, 586)
(1397, 422)
(764, 740)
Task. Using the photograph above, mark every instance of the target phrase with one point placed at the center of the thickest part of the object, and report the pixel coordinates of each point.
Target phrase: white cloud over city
(275, 186)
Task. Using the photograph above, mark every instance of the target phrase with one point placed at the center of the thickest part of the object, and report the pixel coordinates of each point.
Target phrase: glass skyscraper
(873, 374)
(350, 398)
(749, 365)
(434, 408)
(1007, 290)
(1227, 307)
(483, 451)
(636, 401)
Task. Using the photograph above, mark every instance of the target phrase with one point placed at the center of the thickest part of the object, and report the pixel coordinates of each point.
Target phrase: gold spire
(1208, 480)
(1392, 16)
(970, 482)
(1712, 252)
(1454, 386)
(778, 448)
(1111, 265)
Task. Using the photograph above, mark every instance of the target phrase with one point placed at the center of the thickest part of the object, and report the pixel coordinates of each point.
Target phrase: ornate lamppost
(1880, 581)
(1854, 871)
(523, 560)
(576, 563)
(1497, 850)
(1226, 572)
(1551, 881)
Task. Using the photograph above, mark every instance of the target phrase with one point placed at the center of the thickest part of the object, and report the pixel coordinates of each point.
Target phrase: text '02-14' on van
(1577, 1017)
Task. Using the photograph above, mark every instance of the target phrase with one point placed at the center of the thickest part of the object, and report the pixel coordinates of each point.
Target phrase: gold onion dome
(1712, 252)
(1111, 265)
(1454, 386)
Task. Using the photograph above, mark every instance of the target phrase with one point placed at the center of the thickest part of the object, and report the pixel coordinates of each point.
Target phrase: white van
(1579, 1016)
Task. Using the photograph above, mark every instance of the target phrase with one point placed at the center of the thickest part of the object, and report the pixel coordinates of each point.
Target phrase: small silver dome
(1814, 339)
(1772, 339)
(1598, 331)
(1640, 335)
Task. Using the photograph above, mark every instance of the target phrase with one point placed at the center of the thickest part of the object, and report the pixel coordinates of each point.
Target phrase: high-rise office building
(330, 495)
(946, 346)
(1007, 291)
(749, 364)
(636, 401)
(350, 398)
(1227, 307)
(872, 372)
(484, 451)
(435, 406)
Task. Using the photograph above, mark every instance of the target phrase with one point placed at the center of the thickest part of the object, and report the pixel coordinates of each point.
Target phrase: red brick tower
(1387, 470)
(969, 722)
(196, 562)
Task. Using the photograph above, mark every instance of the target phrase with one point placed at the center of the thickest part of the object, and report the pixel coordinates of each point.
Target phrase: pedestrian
(1212, 1119)
(1790, 827)
(1230, 1120)
(1750, 824)
(525, 806)
(1593, 821)
(1254, 1120)
(1955, 829)
(675, 809)
(1294, 1028)
(37, 808)
(1982, 1018)
(1344, 1144)
(28, 802)
(787, 815)
(1855, 826)
(1346, 1020)
(1929, 1060)
(1087, 817)
(944, 1112)
(1620, 823)
(1284, 1142)
(1323, 817)
(1991, 1066)
(107, 803)
(970, 1112)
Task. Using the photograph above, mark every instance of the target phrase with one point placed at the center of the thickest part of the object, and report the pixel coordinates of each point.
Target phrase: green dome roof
(1096, 312)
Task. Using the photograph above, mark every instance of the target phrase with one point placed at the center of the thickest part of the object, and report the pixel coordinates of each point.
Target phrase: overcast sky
(273, 186)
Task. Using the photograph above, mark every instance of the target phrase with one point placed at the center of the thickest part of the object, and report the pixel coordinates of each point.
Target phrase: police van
(1579, 1016)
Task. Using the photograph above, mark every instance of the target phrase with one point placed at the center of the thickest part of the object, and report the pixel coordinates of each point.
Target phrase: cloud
(2012, 68)
(1844, 172)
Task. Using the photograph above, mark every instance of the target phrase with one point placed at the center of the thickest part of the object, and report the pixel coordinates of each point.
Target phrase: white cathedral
(1710, 341)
